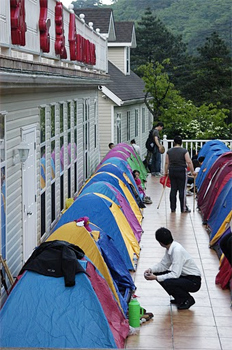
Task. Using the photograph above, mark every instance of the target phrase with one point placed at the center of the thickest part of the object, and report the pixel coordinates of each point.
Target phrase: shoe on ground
(186, 304)
(174, 301)
(147, 201)
(189, 193)
(187, 210)
(158, 174)
(153, 174)
(173, 211)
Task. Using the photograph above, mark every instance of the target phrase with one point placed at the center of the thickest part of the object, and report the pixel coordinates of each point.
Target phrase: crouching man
(177, 272)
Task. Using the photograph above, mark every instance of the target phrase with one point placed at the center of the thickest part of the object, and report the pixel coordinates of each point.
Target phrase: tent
(115, 170)
(221, 214)
(41, 312)
(121, 186)
(211, 151)
(114, 194)
(135, 154)
(219, 162)
(80, 237)
(115, 263)
(217, 184)
(109, 217)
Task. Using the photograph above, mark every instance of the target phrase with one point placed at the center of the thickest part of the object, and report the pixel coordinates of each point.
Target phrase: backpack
(150, 143)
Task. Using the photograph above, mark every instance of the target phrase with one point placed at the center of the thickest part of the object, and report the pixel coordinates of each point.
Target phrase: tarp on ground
(120, 185)
(102, 212)
(217, 165)
(80, 237)
(114, 194)
(41, 312)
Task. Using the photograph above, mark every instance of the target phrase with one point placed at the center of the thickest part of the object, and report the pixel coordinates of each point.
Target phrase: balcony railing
(193, 146)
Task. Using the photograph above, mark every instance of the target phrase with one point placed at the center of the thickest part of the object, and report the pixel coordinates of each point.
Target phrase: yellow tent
(79, 236)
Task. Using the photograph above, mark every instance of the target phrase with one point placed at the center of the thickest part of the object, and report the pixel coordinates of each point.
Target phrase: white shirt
(180, 261)
(137, 148)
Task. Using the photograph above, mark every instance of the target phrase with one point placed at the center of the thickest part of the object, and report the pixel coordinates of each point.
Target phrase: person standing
(135, 146)
(177, 272)
(176, 162)
(156, 154)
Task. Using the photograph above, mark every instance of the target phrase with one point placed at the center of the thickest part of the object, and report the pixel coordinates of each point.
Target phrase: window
(127, 60)
(95, 124)
(42, 171)
(119, 128)
(136, 122)
(3, 186)
(128, 125)
(143, 120)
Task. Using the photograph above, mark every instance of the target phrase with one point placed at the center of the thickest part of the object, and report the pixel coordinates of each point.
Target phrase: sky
(68, 2)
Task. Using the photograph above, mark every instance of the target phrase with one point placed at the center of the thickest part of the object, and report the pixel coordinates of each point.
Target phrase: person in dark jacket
(176, 162)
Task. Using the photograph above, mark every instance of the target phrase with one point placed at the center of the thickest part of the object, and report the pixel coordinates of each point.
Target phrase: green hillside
(193, 19)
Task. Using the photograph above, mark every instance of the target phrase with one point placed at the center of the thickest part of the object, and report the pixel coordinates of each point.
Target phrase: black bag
(150, 143)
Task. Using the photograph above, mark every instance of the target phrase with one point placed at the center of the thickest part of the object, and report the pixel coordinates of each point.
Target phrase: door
(29, 194)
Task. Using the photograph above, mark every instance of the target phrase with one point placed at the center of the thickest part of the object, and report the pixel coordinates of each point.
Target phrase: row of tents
(91, 252)
(214, 183)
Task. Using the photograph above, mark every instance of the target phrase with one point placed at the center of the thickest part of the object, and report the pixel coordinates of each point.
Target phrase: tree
(86, 3)
(211, 74)
(179, 115)
(155, 43)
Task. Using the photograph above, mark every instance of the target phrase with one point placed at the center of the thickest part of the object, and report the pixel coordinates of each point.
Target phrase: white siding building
(49, 105)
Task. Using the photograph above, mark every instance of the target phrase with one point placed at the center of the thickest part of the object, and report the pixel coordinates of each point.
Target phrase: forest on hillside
(187, 81)
(194, 20)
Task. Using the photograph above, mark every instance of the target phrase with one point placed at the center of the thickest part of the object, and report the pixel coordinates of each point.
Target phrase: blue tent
(123, 166)
(42, 313)
(115, 263)
(222, 209)
(114, 169)
(212, 144)
(113, 193)
(98, 211)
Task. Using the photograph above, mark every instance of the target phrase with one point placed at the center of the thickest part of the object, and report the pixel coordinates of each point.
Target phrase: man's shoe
(173, 211)
(174, 301)
(186, 304)
(187, 210)
(153, 174)
(158, 174)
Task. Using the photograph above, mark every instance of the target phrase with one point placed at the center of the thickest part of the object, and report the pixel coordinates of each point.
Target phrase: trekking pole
(165, 183)
(194, 193)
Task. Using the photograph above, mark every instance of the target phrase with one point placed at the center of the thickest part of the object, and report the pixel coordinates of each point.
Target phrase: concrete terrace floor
(208, 323)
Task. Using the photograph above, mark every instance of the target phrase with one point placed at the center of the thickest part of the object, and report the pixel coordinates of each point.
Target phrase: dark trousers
(156, 161)
(180, 287)
(178, 179)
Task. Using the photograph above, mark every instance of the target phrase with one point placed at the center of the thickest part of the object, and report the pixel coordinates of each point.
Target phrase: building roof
(100, 17)
(125, 87)
(124, 32)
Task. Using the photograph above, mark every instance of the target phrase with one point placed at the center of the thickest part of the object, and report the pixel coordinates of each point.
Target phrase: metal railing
(193, 146)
